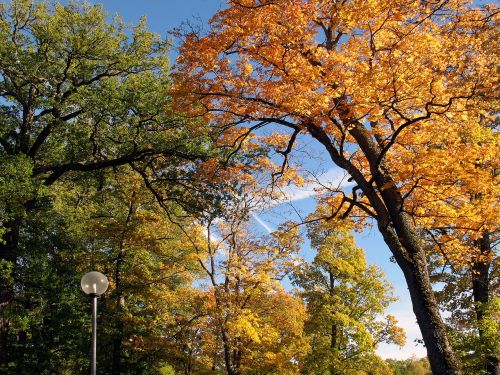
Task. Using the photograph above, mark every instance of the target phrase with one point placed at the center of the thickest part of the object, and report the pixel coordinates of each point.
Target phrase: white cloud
(407, 321)
(334, 178)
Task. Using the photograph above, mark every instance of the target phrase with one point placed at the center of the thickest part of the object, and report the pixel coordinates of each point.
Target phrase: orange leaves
(387, 185)
(419, 81)
(285, 66)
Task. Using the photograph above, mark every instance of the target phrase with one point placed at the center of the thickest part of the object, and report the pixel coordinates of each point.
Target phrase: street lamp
(94, 283)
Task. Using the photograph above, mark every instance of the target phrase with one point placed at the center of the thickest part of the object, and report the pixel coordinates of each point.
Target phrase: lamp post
(94, 284)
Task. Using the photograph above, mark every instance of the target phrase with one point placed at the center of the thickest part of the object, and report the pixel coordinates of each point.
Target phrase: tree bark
(481, 295)
(227, 351)
(399, 233)
(8, 253)
(117, 349)
(405, 246)
(425, 307)
(120, 304)
(118, 339)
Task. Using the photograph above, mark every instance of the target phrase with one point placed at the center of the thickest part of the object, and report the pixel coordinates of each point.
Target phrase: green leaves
(82, 94)
(346, 299)
(16, 185)
(87, 138)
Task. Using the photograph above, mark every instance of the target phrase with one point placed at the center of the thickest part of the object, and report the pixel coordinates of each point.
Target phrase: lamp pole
(94, 284)
(93, 353)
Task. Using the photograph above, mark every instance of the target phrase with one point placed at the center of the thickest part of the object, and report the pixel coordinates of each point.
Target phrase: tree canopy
(111, 160)
(346, 300)
(390, 90)
(81, 97)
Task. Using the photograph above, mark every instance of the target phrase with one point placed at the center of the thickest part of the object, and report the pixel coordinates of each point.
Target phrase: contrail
(263, 224)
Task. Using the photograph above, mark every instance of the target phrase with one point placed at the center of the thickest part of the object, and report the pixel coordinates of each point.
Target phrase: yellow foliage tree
(391, 90)
(346, 300)
(248, 323)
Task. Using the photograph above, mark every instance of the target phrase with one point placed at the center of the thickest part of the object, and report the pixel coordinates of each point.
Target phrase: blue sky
(164, 15)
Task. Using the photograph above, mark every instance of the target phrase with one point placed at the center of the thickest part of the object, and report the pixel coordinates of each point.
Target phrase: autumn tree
(345, 300)
(475, 340)
(248, 323)
(455, 209)
(461, 233)
(148, 264)
(370, 82)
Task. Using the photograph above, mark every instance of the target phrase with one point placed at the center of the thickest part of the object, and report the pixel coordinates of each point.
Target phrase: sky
(163, 16)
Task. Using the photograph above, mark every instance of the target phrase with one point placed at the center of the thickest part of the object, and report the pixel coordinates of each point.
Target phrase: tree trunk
(120, 297)
(120, 305)
(4, 332)
(8, 253)
(117, 349)
(400, 235)
(481, 294)
(412, 261)
(227, 352)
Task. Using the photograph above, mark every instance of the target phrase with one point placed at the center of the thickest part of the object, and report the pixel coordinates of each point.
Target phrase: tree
(112, 224)
(473, 326)
(79, 95)
(460, 232)
(149, 266)
(456, 206)
(412, 366)
(247, 324)
(368, 81)
(345, 299)
(48, 311)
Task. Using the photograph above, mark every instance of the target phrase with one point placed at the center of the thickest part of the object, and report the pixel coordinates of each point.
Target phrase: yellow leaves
(410, 59)
(247, 69)
(245, 327)
(260, 321)
(397, 334)
(292, 175)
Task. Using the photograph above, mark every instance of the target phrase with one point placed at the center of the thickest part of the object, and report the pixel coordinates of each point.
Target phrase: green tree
(49, 313)
(412, 366)
(79, 96)
(346, 299)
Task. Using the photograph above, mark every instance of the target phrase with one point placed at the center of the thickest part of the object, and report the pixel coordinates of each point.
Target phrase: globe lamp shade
(94, 283)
